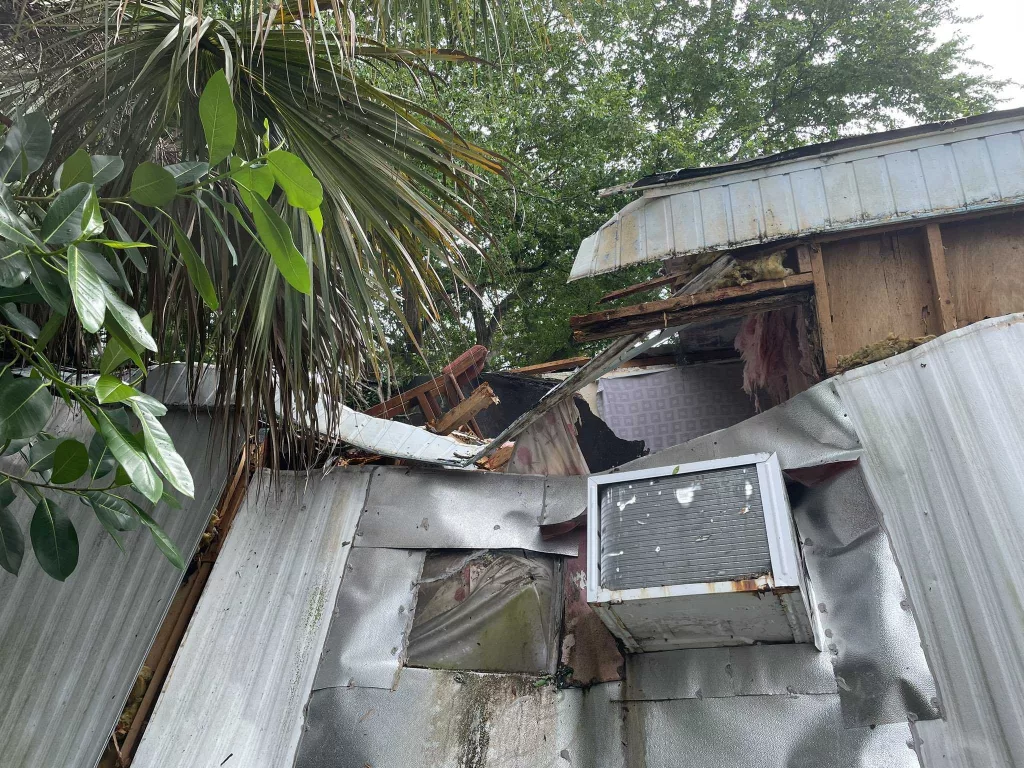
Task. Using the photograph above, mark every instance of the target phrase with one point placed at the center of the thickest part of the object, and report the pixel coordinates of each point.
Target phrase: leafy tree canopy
(622, 89)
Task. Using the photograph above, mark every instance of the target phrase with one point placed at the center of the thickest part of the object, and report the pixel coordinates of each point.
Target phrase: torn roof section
(927, 171)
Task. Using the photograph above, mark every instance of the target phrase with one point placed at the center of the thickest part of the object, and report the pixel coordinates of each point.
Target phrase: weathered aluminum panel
(69, 653)
(967, 168)
(708, 673)
(942, 428)
(441, 719)
(366, 642)
(861, 604)
(389, 438)
(491, 612)
(444, 509)
(240, 681)
(683, 529)
(789, 731)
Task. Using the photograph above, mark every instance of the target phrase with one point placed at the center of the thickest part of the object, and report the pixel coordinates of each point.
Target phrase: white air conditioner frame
(787, 566)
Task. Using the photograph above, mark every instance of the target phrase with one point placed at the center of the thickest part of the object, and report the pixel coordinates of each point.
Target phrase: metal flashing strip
(71, 651)
(444, 509)
(243, 675)
(366, 642)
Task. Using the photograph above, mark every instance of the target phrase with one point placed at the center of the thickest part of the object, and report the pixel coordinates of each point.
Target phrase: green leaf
(40, 454)
(120, 347)
(101, 460)
(76, 169)
(15, 228)
(220, 121)
(23, 294)
(128, 319)
(189, 172)
(133, 254)
(70, 461)
(161, 451)
(51, 285)
(13, 267)
(25, 406)
(92, 219)
(119, 513)
(54, 539)
(19, 321)
(49, 331)
(26, 146)
(151, 404)
(170, 501)
(152, 185)
(105, 168)
(87, 290)
(163, 542)
(7, 494)
(119, 245)
(295, 178)
(259, 179)
(63, 222)
(12, 542)
(276, 237)
(110, 389)
(197, 271)
(131, 458)
(317, 217)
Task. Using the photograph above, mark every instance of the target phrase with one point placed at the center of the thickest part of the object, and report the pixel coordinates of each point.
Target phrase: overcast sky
(997, 40)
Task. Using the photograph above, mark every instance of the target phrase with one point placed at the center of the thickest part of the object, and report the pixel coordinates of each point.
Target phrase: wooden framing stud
(940, 277)
(812, 253)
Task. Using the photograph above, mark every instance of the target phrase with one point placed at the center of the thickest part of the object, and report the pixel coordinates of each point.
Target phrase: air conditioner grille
(683, 529)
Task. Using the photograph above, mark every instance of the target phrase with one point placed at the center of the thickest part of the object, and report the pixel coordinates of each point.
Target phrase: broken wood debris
(462, 413)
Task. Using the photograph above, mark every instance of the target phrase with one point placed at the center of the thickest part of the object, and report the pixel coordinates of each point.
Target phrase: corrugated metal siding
(683, 529)
(975, 168)
(943, 433)
(69, 653)
(243, 675)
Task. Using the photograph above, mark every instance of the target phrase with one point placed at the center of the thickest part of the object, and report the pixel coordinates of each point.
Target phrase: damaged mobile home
(823, 576)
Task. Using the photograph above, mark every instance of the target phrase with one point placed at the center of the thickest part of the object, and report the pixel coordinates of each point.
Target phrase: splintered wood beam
(940, 277)
(702, 313)
(482, 397)
(552, 366)
(823, 309)
(648, 285)
(660, 314)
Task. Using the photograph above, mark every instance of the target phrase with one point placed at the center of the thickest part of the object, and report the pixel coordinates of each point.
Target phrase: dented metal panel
(939, 171)
(241, 679)
(942, 429)
(70, 652)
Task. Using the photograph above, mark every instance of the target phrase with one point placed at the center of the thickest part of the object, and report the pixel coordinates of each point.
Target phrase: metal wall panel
(938, 173)
(236, 692)
(943, 433)
(70, 652)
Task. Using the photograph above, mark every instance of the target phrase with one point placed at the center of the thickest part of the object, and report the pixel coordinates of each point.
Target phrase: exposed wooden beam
(803, 258)
(552, 366)
(482, 397)
(648, 285)
(940, 277)
(702, 313)
(823, 309)
(680, 303)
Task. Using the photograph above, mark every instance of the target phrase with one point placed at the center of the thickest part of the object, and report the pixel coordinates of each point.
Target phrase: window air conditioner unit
(697, 555)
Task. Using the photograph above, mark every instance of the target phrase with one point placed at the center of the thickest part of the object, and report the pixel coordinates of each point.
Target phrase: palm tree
(124, 77)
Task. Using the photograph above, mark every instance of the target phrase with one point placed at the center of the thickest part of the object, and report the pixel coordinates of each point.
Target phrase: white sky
(997, 41)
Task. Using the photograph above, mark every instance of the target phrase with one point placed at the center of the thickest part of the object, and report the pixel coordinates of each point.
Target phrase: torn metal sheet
(862, 605)
(366, 644)
(807, 430)
(492, 612)
(565, 499)
(789, 731)
(439, 509)
(708, 673)
(71, 651)
(241, 679)
(441, 719)
(943, 432)
(383, 436)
